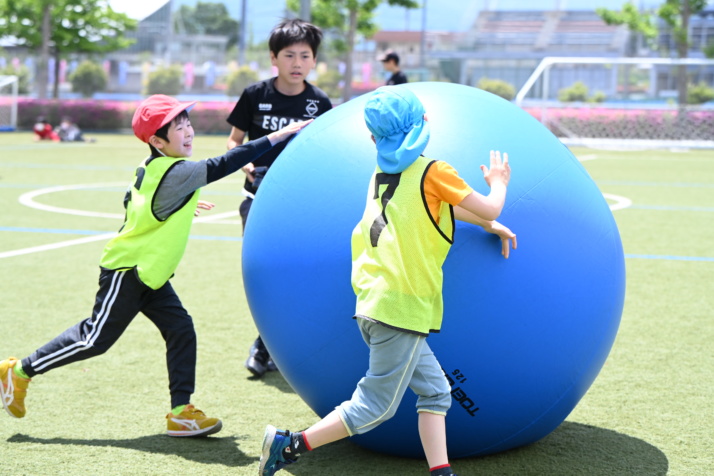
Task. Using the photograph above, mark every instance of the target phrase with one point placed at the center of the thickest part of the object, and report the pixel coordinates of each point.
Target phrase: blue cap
(395, 117)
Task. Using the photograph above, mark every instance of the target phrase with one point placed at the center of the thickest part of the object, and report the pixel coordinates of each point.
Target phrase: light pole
(242, 32)
(305, 10)
(422, 57)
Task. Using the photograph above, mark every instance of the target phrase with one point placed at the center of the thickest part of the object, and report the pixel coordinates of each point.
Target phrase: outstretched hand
(500, 171)
(508, 238)
(287, 131)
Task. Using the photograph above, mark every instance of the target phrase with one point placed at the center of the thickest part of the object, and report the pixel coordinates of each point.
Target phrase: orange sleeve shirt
(443, 184)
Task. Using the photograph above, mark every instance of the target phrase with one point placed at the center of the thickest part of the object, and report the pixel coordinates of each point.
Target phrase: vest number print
(391, 181)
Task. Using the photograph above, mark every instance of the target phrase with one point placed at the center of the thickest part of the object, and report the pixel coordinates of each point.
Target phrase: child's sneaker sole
(267, 445)
(195, 433)
(191, 422)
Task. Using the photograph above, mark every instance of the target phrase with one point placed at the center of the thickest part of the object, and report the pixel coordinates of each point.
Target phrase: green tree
(329, 82)
(23, 77)
(241, 78)
(709, 50)
(699, 93)
(343, 19)
(207, 18)
(167, 80)
(675, 14)
(88, 79)
(64, 27)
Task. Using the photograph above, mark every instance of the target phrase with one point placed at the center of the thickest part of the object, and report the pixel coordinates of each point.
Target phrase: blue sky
(442, 15)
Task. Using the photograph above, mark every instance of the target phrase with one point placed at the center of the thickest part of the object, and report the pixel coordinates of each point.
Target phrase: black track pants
(120, 298)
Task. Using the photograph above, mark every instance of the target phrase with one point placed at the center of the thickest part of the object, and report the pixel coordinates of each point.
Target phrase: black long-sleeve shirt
(186, 176)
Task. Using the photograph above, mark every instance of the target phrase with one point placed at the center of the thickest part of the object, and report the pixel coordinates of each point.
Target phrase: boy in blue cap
(398, 249)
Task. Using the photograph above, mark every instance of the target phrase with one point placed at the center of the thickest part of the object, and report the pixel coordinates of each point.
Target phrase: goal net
(8, 102)
(621, 103)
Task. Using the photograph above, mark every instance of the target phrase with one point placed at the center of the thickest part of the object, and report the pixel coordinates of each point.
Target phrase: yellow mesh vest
(152, 246)
(398, 250)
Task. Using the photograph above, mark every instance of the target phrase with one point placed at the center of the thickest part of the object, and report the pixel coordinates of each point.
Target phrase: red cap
(154, 113)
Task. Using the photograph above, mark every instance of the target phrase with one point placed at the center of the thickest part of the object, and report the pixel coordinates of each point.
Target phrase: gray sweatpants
(397, 360)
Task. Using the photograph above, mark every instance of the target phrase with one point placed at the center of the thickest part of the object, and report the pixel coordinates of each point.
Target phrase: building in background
(508, 45)
(498, 44)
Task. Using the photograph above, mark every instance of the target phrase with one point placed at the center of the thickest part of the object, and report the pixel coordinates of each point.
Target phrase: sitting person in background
(68, 131)
(43, 130)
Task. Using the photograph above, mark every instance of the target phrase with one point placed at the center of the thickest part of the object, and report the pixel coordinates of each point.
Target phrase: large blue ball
(522, 340)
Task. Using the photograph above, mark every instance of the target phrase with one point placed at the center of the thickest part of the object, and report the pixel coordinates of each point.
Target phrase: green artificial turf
(649, 412)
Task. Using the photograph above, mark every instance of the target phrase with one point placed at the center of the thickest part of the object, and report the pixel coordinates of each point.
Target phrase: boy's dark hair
(289, 32)
(163, 132)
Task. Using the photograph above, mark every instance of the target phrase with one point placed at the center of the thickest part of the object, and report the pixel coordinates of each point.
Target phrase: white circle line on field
(620, 202)
(28, 199)
(584, 158)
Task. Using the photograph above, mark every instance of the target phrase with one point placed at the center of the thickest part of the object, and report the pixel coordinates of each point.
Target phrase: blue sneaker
(274, 443)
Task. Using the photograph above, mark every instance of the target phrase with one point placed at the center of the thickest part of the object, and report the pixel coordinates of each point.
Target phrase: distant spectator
(68, 131)
(390, 60)
(43, 130)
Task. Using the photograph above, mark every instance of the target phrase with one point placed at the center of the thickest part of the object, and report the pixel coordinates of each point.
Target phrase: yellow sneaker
(13, 389)
(192, 422)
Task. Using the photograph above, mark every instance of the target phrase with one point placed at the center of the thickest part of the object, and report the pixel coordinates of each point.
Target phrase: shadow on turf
(573, 449)
(210, 450)
(274, 379)
(577, 449)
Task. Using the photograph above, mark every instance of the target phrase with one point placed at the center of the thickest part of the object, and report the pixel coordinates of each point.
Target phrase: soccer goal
(9, 87)
(622, 103)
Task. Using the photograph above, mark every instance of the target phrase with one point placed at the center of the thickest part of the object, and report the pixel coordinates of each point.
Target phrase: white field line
(620, 202)
(587, 157)
(54, 246)
(103, 236)
(27, 199)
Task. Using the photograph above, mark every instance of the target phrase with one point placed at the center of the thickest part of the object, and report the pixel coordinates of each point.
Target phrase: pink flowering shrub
(111, 116)
(87, 114)
(210, 118)
(600, 122)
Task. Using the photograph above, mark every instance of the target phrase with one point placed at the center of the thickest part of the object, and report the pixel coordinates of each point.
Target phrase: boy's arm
(489, 207)
(236, 138)
(240, 156)
(235, 158)
(508, 238)
(287, 131)
(483, 210)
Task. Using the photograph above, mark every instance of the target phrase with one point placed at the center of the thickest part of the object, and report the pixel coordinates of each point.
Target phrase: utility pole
(305, 10)
(242, 33)
(169, 33)
(422, 56)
